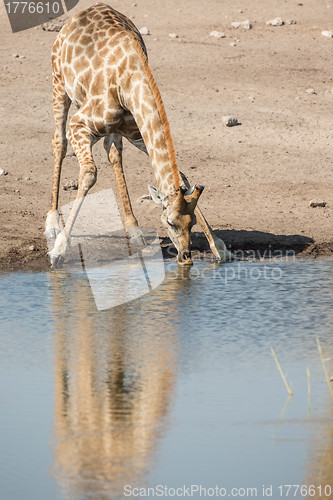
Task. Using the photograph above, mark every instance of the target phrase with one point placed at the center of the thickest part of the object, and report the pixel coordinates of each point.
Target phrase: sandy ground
(259, 176)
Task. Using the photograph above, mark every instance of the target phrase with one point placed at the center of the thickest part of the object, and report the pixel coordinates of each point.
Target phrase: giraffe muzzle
(184, 258)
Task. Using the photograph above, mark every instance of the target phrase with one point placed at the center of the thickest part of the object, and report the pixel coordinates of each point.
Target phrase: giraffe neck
(146, 105)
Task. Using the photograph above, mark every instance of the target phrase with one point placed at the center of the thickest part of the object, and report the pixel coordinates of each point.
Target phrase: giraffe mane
(162, 113)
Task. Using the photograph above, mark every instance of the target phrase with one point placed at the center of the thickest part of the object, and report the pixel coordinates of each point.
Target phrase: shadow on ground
(249, 243)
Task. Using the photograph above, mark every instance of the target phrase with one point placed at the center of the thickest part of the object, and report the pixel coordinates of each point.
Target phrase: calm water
(177, 387)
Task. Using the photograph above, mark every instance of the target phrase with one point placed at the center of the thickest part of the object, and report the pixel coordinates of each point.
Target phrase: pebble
(173, 35)
(134, 4)
(144, 30)
(275, 22)
(16, 55)
(71, 185)
(230, 121)
(217, 34)
(315, 204)
(54, 25)
(32, 248)
(311, 91)
(27, 178)
(328, 34)
(233, 44)
(145, 197)
(246, 25)
(3, 172)
(291, 21)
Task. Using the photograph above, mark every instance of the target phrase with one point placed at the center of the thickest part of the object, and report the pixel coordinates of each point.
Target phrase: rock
(217, 34)
(275, 22)
(173, 35)
(71, 185)
(246, 25)
(144, 31)
(16, 55)
(54, 25)
(291, 21)
(328, 34)
(230, 121)
(315, 204)
(3, 172)
(32, 248)
(145, 197)
(232, 44)
(311, 91)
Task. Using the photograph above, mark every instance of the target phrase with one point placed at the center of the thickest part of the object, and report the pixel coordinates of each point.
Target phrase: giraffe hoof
(57, 255)
(136, 237)
(56, 260)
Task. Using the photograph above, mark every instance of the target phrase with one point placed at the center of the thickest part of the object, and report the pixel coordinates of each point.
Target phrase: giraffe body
(99, 63)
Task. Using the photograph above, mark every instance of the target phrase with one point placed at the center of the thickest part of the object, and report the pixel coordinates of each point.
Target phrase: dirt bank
(260, 176)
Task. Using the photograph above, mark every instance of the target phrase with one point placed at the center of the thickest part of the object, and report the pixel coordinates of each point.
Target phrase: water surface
(177, 387)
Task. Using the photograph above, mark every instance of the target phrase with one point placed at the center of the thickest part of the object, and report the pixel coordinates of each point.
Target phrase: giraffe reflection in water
(114, 383)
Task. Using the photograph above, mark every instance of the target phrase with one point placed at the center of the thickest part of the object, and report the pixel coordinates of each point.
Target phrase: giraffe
(99, 63)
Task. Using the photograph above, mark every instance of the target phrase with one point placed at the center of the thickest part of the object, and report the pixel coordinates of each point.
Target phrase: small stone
(328, 34)
(144, 30)
(71, 185)
(275, 22)
(17, 190)
(245, 25)
(22, 57)
(27, 178)
(16, 55)
(230, 121)
(232, 44)
(3, 172)
(311, 91)
(173, 35)
(240, 11)
(54, 25)
(134, 4)
(315, 204)
(32, 248)
(217, 34)
(291, 21)
(145, 197)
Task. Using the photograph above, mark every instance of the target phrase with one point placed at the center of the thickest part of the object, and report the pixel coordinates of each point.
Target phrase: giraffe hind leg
(61, 104)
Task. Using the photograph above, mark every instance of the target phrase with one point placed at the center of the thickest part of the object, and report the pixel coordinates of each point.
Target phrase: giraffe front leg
(81, 142)
(114, 147)
(217, 245)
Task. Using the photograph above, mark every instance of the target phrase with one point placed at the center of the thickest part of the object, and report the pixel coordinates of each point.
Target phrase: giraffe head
(178, 217)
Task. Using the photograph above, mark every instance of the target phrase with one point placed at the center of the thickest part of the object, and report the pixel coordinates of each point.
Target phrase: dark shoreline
(244, 244)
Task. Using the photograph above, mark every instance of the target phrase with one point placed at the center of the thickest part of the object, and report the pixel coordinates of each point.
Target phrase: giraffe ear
(156, 194)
